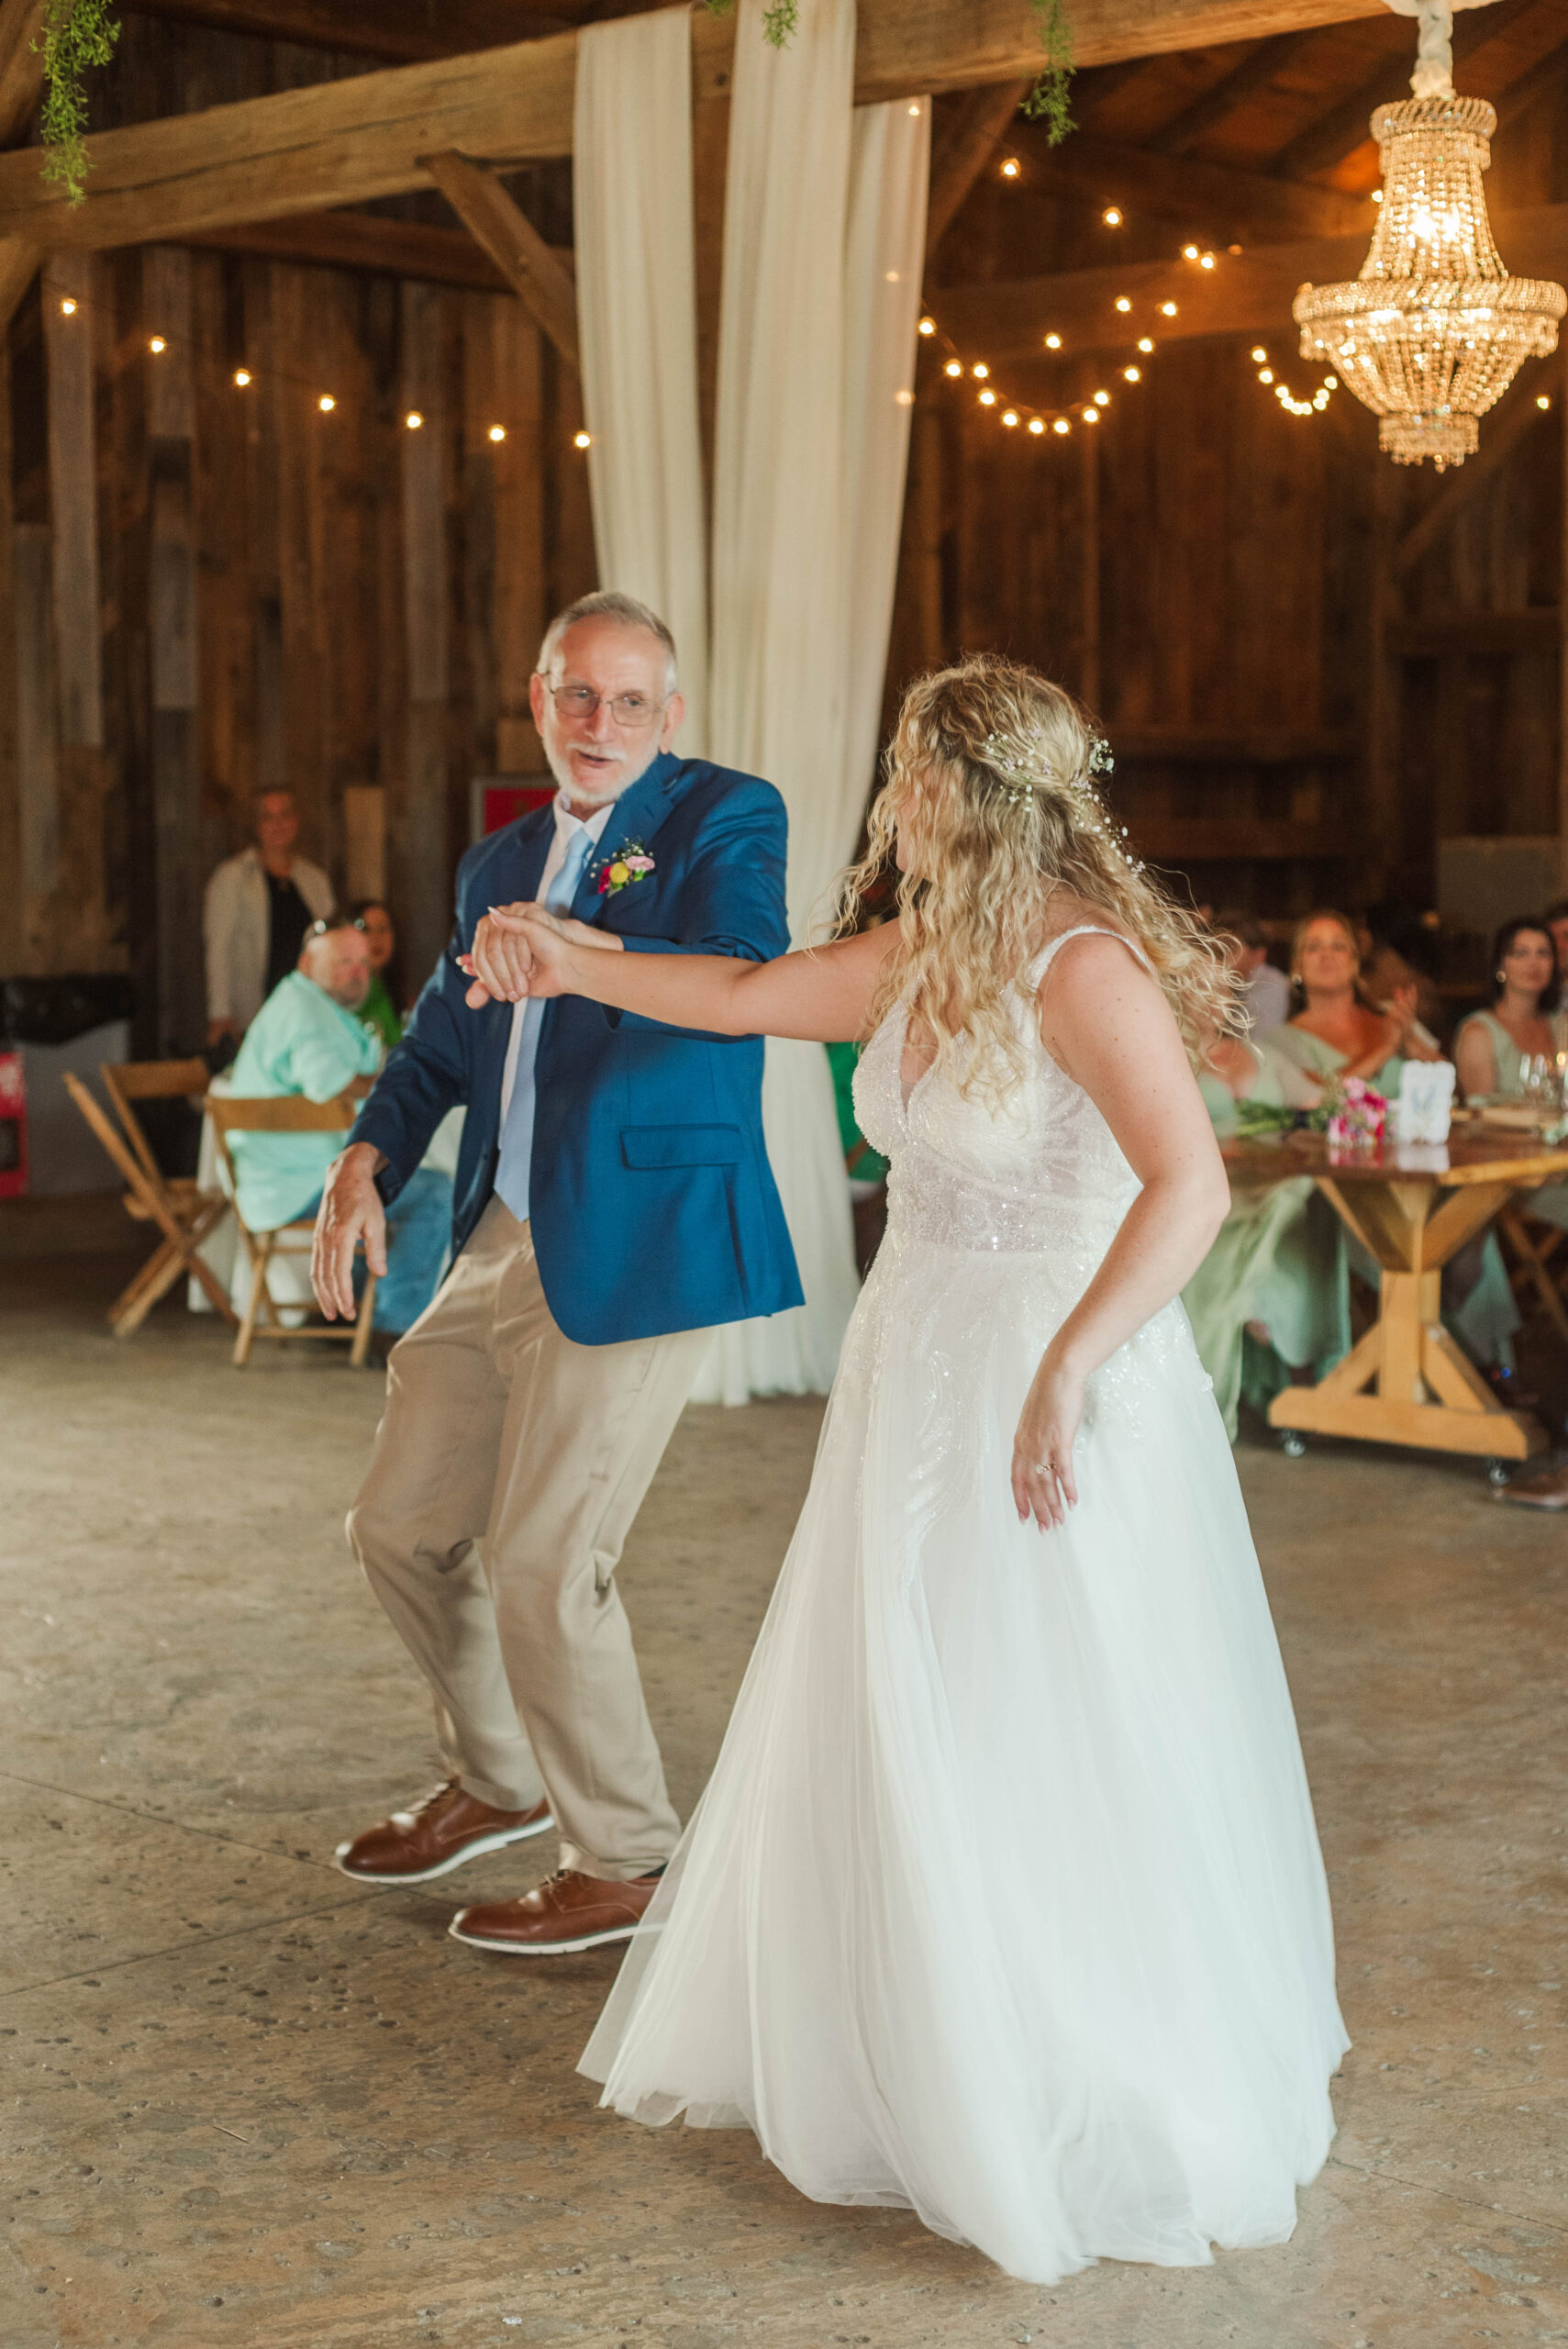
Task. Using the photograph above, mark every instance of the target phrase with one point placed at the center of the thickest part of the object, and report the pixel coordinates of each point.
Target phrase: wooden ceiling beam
(1229, 94)
(501, 229)
(346, 141)
(1337, 134)
(397, 32)
(410, 249)
(971, 139)
(1248, 293)
(1231, 206)
(21, 66)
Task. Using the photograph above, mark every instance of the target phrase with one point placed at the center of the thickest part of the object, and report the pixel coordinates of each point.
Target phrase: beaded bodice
(1043, 1175)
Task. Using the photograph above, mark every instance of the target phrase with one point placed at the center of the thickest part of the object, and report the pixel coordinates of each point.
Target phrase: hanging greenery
(780, 18)
(77, 34)
(1048, 101)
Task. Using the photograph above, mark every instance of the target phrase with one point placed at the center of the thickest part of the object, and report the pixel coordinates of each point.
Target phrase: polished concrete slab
(248, 2102)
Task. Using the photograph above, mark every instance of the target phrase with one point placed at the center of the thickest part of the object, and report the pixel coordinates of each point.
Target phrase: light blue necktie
(518, 1135)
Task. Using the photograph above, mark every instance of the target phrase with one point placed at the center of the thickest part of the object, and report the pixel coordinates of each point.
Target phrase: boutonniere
(629, 864)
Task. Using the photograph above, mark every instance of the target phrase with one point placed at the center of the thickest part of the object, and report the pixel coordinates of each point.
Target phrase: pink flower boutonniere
(630, 864)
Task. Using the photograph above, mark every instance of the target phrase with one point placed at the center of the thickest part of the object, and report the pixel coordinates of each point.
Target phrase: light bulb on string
(1061, 425)
(497, 432)
(1132, 374)
(1259, 355)
(1122, 303)
(414, 420)
(1189, 252)
(1167, 309)
(1091, 416)
(1111, 216)
(581, 440)
(1145, 344)
(1265, 374)
(1010, 168)
(927, 326)
(1543, 399)
(1037, 424)
(1205, 260)
(68, 307)
(980, 371)
(156, 344)
(242, 378)
(1053, 342)
(327, 403)
(987, 399)
(1102, 399)
(954, 367)
(1009, 416)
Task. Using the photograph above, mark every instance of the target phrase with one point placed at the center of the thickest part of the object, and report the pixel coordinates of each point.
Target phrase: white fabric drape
(636, 324)
(824, 236)
(824, 232)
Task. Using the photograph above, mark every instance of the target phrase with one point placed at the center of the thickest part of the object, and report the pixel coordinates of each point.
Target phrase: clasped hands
(522, 950)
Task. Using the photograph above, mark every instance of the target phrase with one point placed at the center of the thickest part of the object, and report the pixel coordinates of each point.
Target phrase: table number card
(1425, 1107)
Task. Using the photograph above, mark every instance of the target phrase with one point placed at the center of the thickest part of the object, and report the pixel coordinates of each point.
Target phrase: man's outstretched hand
(521, 950)
(350, 1212)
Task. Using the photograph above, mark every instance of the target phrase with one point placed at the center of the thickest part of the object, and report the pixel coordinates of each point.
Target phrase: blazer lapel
(637, 815)
(530, 847)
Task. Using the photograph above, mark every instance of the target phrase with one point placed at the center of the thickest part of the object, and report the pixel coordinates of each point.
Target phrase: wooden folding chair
(1529, 1242)
(184, 1213)
(287, 1113)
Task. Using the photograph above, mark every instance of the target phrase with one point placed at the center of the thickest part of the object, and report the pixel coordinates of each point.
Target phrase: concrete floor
(251, 2104)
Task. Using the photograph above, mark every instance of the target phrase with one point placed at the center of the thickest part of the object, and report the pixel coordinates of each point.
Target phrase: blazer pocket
(651, 1147)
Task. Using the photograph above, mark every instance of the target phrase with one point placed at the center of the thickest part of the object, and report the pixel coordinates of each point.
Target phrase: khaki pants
(506, 1473)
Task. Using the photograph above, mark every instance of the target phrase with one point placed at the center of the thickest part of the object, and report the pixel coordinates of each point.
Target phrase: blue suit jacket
(651, 1197)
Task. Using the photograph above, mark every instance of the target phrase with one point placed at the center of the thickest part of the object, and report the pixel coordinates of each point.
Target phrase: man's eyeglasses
(630, 710)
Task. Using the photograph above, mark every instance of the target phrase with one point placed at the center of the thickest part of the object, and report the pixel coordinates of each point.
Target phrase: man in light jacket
(259, 906)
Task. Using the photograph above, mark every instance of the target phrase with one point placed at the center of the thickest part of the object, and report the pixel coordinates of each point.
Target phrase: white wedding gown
(1003, 1902)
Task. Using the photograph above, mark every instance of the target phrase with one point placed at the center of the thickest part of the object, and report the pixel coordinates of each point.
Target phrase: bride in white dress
(1003, 1902)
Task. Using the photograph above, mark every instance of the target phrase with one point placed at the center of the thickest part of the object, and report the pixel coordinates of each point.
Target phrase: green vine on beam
(77, 34)
(1048, 102)
(780, 18)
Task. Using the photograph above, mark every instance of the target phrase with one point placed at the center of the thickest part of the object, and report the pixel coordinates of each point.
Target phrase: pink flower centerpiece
(1357, 1115)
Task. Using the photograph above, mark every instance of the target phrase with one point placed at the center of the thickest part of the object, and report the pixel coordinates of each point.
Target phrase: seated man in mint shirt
(306, 1039)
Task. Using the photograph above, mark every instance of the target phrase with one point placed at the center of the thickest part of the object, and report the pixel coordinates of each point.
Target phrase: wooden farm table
(1413, 1207)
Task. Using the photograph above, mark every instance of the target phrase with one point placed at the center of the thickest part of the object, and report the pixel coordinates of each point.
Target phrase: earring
(1501, 978)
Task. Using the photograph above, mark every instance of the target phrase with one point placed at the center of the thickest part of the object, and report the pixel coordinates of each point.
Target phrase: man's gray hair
(608, 604)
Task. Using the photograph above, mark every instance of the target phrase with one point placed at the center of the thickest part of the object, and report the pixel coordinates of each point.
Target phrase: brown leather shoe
(569, 1911)
(1547, 1490)
(439, 1833)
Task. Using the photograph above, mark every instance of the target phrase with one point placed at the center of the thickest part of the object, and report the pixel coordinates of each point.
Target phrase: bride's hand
(1044, 1483)
(499, 961)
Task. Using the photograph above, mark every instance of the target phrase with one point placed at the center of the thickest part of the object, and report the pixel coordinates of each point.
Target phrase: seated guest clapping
(307, 1039)
(1336, 1032)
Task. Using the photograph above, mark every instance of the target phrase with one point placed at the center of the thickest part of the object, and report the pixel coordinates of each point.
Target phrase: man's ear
(674, 712)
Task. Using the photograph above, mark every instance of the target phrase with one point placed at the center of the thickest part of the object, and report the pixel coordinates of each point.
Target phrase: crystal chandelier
(1434, 329)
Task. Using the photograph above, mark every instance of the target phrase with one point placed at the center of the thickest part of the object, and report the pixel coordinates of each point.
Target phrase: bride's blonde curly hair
(991, 774)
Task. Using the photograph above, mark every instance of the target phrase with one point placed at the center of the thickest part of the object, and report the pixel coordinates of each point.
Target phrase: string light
(414, 420)
(156, 344)
(241, 377)
(1265, 374)
(1259, 354)
(1145, 344)
(1091, 416)
(927, 326)
(1061, 425)
(1010, 416)
(1167, 309)
(1053, 342)
(1189, 252)
(1102, 399)
(1205, 260)
(988, 397)
(980, 371)
(327, 403)
(497, 432)
(581, 440)
(1542, 400)
(1010, 168)
(1111, 217)
(1122, 303)
(1037, 424)
(954, 367)
(1132, 374)
(68, 307)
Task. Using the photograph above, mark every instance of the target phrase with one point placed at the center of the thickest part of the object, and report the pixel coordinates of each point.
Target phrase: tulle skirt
(1003, 1902)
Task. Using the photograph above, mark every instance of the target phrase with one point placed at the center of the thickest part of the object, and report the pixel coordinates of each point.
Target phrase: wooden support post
(73, 495)
(172, 635)
(418, 862)
(539, 279)
(1563, 658)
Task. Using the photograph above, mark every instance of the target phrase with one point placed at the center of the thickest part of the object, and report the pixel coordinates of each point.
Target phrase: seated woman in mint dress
(1524, 1022)
(1272, 1295)
(1338, 1034)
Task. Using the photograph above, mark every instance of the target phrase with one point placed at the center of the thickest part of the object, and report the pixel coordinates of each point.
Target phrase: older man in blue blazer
(613, 1203)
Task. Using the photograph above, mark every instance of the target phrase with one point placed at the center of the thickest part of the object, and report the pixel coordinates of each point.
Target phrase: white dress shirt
(566, 824)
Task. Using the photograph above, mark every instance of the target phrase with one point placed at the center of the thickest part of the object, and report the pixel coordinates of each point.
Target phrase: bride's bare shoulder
(1098, 937)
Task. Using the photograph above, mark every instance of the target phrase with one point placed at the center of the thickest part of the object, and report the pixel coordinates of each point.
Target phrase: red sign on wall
(13, 1128)
(503, 801)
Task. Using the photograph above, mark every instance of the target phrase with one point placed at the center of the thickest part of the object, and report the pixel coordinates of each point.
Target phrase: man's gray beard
(569, 783)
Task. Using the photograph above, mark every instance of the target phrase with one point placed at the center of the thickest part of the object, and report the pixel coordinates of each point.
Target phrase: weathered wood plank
(172, 629)
(1515, 414)
(73, 495)
(501, 229)
(342, 142)
(1248, 293)
(400, 31)
(363, 240)
(416, 820)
